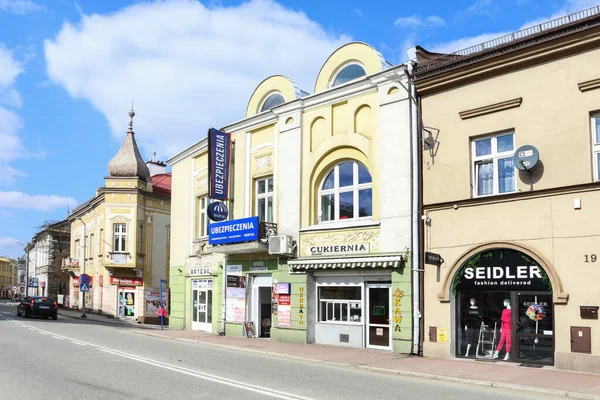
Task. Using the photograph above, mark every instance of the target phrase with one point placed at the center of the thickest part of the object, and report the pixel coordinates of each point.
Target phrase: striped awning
(346, 263)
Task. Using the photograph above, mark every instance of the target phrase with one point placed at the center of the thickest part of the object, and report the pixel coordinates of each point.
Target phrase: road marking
(185, 371)
(42, 333)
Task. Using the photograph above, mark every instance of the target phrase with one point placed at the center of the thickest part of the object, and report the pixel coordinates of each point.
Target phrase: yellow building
(510, 193)
(325, 179)
(8, 276)
(120, 237)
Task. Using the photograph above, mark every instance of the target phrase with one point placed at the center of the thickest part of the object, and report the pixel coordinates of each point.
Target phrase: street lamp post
(83, 314)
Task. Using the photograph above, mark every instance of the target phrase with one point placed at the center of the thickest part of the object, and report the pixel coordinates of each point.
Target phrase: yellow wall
(554, 115)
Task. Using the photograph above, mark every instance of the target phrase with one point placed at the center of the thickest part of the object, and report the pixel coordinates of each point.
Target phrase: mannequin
(505, 330)
(472, 324)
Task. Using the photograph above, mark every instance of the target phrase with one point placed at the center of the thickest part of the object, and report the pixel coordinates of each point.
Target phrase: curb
(475, 382)
(93, 320)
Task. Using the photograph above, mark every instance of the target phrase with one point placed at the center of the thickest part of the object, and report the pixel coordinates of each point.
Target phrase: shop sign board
(502, 270)
(219, 146)
(433, 258)
(235, 231)
(217, 211)
(199, 271)
(283, 288)
(284, 300)
(126, 281)
(234, 270)
(340, 249)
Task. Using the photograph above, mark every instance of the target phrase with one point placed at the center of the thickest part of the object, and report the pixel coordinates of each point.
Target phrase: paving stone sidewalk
(497, 374)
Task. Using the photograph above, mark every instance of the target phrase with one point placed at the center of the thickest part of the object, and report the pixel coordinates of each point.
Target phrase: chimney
(156, 166)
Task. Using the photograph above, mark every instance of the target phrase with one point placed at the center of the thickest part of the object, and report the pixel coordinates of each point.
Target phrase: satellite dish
(526, 157)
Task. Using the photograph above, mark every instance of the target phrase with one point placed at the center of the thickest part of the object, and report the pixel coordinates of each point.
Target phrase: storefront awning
(346, 263)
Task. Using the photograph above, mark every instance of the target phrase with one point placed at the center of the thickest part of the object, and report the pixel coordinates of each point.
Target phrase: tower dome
(128, 162)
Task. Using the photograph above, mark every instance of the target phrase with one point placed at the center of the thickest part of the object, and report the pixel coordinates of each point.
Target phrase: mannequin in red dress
(505, 330)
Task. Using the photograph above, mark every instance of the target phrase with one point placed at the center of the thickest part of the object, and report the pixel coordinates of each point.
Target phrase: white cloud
(9, 174)
(20, 7)
(358, 12)
(186, 66)
(5, 241)
(415, 21)
(568, 7)
(10, 122)
(25, 201)
(480, 7)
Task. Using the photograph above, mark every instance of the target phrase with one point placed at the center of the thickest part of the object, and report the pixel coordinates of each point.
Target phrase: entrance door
(534, 328)
(202, 305)
(378, 317)
(259, 303)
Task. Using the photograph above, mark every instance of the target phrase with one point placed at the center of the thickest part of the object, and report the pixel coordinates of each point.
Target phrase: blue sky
(69, 71)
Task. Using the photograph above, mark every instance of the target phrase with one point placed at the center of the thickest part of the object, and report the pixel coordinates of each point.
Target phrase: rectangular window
(140, 238)
(340, 304)
(77, 247)
(86, 248)
(596, 145)
(264, 199)
(101, 242)
(202, 221)
(91, 250)
(493, 168)
(120, 238)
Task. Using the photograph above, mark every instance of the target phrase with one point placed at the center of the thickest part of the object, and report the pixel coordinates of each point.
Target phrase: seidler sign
(502, 270)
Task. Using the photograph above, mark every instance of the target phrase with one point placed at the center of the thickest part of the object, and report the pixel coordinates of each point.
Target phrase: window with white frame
(348, 73)
(596, 145)
(274, 100)
(140, 238)
(91, 249)
(340, 304)
(120, 238)
(264, 199)
(77, 249)
(202, 221)
(493, 168)
(346, 193)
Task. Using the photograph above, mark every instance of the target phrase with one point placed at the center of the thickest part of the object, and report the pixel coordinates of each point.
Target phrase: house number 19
(590, 258)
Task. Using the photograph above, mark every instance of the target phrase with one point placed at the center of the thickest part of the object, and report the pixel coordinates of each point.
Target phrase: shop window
(264, 199)
(494, 171)
(340, 304)
(596, 145)
(348, 73)
(202, 221)
(120, 238)
(346, 193)
(273, 100)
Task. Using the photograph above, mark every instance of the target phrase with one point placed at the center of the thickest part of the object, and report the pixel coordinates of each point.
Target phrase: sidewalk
(497, 374)
(104, 319)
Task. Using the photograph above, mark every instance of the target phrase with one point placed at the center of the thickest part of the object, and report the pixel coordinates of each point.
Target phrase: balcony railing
(266, 230)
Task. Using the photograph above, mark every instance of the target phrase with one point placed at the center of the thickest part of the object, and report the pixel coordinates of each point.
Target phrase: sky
(70, 71)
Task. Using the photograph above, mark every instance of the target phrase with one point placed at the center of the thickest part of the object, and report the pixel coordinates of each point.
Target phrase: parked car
(38, 306)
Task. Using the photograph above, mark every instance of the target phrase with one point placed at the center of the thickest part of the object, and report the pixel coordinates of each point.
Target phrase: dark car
(38, 306)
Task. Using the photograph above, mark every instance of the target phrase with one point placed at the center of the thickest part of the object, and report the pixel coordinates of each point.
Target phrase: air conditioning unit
(280, 245)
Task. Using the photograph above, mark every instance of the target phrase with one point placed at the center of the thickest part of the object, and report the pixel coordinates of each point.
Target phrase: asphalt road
(71, 359)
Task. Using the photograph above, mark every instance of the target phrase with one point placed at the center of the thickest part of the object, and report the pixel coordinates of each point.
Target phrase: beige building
(518, 238)
(120, 238)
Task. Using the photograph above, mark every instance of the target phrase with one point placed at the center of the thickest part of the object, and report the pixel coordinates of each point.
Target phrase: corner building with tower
(320, 197)
(510, 170)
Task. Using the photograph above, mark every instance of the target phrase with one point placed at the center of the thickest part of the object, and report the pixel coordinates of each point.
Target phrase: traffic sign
(84, 287)
(85, 278)
(14, 288)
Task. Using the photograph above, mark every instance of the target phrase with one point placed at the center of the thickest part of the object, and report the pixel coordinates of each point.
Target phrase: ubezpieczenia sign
(236, 231)
(219, 146)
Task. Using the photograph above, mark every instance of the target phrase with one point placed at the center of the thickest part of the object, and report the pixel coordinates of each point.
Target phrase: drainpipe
(415, 234)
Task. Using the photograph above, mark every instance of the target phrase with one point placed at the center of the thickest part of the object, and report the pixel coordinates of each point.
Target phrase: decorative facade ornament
(263, 162)
(203, 183)
(309, 240)
(119, 219)
(128, 162)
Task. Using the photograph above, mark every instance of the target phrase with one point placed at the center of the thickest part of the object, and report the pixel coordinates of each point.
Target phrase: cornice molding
(589, 85)
(492, 108)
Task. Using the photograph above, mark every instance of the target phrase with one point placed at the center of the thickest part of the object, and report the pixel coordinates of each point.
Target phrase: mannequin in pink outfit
(505, 330)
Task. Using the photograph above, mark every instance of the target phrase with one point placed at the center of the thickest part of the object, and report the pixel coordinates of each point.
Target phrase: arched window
(349, 73)
(346, 193)
(273, 100)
